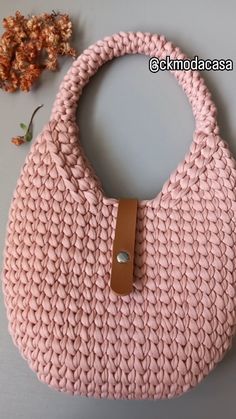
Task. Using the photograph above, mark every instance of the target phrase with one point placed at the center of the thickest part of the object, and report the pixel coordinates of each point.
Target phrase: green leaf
(28, 136)
(23, 126)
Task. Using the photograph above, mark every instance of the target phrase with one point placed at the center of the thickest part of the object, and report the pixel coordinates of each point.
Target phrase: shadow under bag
(122, 298)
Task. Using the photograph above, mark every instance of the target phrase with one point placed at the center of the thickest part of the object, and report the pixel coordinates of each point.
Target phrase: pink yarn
(75, 333)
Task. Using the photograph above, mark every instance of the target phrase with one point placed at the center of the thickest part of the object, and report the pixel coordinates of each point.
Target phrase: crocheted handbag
(122, 298)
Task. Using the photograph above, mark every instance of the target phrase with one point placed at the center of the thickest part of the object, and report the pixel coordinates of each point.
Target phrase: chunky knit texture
(177, 324)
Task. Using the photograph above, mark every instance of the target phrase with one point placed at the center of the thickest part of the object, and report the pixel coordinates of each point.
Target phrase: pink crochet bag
(122, 298)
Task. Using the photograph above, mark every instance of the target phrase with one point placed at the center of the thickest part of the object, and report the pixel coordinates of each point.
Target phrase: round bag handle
(153, 45)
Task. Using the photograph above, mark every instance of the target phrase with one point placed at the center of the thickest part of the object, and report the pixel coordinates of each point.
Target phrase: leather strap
(123, 247)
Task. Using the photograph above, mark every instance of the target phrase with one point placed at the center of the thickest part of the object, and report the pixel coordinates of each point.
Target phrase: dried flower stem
(31, 120)
(21, 139)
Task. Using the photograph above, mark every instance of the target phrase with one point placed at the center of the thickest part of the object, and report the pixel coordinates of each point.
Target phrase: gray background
(135, 127)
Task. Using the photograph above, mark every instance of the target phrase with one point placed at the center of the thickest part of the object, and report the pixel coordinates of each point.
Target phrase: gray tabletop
(135, 128)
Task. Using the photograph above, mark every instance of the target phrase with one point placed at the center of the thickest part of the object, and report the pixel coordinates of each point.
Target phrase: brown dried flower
(31, 44)
(18, 140)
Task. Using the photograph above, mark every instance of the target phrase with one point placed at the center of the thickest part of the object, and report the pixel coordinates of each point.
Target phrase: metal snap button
(122, 257)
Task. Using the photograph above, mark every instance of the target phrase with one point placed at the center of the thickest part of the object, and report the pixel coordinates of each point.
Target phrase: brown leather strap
(123, 247)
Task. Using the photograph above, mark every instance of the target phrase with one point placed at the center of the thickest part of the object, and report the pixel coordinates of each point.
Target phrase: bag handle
(153, 45)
